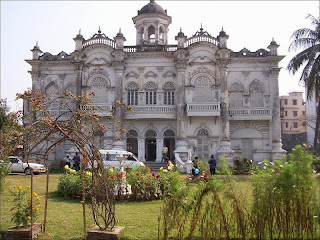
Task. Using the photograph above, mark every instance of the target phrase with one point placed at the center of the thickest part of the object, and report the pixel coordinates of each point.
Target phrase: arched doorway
(151, 145)
(203, 144)
(132, 142)
(169, 141)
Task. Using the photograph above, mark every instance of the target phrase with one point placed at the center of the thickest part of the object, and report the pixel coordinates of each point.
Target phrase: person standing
(213, 164)
(164, 153)
(76, 162)
(67, 160)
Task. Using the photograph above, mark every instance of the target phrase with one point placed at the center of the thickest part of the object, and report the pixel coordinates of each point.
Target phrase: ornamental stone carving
(99, 82)
(98, 70)
(256, 86)
(132, 86)
(150, 134)
(202, 82)
(169, 133)
(202, 69)
(203, 132)
(169, 86)
(236, 87)
(151, 86)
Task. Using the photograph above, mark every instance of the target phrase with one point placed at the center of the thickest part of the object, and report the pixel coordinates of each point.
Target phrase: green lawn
(140, 219)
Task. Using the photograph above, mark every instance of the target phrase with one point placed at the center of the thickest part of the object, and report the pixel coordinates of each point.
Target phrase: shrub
(56, 169)
(21, 210)
(242, 166)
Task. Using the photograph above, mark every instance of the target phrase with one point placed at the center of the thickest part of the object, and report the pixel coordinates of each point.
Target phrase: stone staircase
(155, 166)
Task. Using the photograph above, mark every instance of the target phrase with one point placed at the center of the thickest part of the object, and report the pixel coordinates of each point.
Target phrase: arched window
(151, 93)
(235, 95)
(98, 86)
(132, 141)
(202, 91)
(203, 144)
(256, 89)
(151, 34)
(169, 94)
(132, 92)
(161, 35)
(150, 134)
(169, 133)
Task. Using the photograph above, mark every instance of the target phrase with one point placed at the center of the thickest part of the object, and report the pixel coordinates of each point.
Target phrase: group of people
(212, 163)
(75, 161)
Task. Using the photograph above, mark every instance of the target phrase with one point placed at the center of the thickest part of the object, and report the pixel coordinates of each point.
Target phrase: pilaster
(225, 145)
(277, 150)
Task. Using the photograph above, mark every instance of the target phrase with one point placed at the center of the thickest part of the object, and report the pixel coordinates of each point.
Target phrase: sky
(54, 24)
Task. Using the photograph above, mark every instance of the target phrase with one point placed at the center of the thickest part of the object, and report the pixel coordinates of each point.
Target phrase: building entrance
(151, 149)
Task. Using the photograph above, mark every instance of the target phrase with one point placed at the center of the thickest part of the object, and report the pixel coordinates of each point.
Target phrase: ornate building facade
(196, 96)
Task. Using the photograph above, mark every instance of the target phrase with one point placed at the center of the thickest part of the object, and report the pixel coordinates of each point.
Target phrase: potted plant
(24, 211)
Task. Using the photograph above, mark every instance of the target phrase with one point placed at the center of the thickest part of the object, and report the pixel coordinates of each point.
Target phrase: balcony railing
(203, 109)
(58, 114)
(152, 112)
(102, 109)
(250, 114)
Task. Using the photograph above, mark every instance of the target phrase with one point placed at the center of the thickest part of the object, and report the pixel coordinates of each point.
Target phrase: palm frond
(302, 43)
(297, 61)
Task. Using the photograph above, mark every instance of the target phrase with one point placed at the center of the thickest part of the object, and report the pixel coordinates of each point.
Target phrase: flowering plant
(21, 210)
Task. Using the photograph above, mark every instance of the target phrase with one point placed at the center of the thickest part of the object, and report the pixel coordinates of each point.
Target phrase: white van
(110, 158)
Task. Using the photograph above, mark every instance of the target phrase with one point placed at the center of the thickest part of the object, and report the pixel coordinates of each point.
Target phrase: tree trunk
(316, 134)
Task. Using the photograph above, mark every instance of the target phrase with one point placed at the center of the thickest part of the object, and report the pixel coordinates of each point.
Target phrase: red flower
(111, 176)
(120, 175)
(146, 170)
(137, 174)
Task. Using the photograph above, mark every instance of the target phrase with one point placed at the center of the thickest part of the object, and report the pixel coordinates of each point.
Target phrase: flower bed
(137, 184)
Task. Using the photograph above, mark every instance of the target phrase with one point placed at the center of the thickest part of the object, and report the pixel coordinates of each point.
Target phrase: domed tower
(152, 24)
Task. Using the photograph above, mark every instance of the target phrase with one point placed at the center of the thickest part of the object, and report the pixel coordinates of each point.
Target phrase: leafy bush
(243, 166)
(283, 204)
(145, 185)
(21, 209)
(56, 169)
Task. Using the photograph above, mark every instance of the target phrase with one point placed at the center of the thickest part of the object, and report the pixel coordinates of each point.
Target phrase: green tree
(308, 60)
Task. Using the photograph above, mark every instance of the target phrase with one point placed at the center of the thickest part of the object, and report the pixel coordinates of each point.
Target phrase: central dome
(152, 7)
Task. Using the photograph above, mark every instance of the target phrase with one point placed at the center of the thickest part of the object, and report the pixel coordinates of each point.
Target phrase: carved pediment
(169, 74)
(100, 61)
(202, 69)
(98, 70)
(201, 60)
(132, 75)
(150, 74)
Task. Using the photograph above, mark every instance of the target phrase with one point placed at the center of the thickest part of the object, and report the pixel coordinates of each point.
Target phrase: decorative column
(277, 150)
(225, 145)
(159, 149)
(181, 65)
(118, 65)
(141, 152)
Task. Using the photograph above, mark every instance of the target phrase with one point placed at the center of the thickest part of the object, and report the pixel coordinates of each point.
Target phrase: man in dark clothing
(213, 164)
(76, 162)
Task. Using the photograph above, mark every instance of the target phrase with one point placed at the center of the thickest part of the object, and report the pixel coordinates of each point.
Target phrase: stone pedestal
(181, 154)
(226, 151)
(15, 233)
(277, 151)
(118, 145)
(97, 234)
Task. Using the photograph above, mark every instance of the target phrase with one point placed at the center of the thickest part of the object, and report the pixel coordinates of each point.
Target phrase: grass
(64, 220)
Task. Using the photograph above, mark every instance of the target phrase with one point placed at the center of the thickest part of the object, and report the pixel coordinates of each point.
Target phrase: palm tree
(308, 60)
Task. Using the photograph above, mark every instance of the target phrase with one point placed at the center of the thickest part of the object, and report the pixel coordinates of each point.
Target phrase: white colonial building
(194, 96)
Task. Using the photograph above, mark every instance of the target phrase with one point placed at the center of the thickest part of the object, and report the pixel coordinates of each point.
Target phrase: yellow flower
(66, 167)
(29, 218)
(181, 166)
(37, 209)
(111, 169)
(11, 212)
(165, 170)
(37, 198)
(28, 187)
(39, 202)
(35, 194)
(20, 188)
(161, 168)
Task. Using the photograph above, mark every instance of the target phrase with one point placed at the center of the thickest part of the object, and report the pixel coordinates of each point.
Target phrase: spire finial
(119, 30)
(151, 1)
(180, 29)
(37, 44)
(79, 31)
(201, 29)
(272, 39)
(99, 30)
(222, 28)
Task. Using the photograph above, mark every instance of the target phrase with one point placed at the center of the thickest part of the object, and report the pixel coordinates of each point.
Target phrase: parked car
(111, 159)
(15, 165)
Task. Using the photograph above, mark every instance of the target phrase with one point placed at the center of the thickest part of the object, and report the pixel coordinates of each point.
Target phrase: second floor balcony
(250, 114)
(203, 109)
(102, 109)
(152, 112)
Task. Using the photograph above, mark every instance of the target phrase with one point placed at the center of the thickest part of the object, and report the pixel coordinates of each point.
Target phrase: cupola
(78, 40)
(152, 24)
(273, 47)
(223, 37)
(36, 52)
